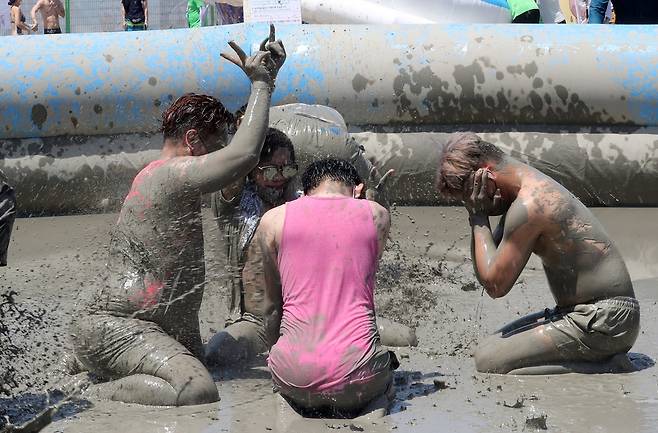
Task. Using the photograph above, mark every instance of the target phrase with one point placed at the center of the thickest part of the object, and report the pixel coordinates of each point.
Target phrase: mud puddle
(426, 280)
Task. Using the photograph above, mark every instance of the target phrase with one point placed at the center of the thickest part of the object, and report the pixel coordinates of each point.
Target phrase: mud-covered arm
(499, 231)
(273, 300)
(219, 169)
(498, 267)
(33, 12)
(377, 188)
(382, 220)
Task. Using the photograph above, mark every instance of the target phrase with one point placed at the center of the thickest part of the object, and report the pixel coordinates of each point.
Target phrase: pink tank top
(327, 261)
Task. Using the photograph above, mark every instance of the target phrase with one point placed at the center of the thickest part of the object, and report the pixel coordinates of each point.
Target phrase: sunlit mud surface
(426, 280)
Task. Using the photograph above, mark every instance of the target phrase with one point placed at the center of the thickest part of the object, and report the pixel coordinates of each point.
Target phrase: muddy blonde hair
(464, 153)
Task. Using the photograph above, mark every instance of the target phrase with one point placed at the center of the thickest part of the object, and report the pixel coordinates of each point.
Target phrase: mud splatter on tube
(63, 135)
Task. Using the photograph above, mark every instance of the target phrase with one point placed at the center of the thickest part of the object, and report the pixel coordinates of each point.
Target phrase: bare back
(156, 261)
(581, 262)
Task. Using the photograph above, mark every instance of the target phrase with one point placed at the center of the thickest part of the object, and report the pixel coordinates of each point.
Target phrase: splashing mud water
(57, 260)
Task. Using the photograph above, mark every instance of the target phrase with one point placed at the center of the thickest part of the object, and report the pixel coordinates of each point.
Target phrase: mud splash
(55, 260)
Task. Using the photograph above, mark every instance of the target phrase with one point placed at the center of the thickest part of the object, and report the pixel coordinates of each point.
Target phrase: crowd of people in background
(584, 11)
(135, 16)
(51, 12)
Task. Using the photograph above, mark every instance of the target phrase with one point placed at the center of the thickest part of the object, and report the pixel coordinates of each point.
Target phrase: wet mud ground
(425, 280)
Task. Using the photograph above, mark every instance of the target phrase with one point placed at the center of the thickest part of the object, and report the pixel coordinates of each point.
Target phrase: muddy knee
(487, 359)
(395, 334)
(191, 381)
(198, 391)
(239, 342)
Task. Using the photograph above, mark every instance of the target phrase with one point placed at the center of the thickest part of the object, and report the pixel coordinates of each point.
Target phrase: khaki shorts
(597, 330)
(371, 381)
(114, 347)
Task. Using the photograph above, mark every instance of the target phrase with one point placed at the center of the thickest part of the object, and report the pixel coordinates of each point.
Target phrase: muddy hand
(479, 202)
(276, 49)
(378, 192)
(257, 67)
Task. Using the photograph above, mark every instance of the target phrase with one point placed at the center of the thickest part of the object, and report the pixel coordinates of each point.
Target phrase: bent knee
(486, 360)
(190, 379)
(198, 391)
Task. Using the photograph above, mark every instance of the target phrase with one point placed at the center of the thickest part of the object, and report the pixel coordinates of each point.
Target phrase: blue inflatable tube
(399, 76)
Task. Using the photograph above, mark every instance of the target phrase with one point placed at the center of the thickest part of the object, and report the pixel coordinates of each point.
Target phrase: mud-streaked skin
(142, 329)
(581, 263)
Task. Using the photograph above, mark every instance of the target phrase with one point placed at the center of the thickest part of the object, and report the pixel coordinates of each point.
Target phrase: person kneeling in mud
(142, 330)
(7, 216)
(320, 255)
(597, 316)
(238, 209)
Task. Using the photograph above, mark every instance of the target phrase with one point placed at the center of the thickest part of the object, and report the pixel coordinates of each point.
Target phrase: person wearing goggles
(238, 210)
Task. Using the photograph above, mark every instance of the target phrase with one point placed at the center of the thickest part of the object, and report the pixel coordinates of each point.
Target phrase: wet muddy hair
(338, 170)
(192, 111)
(275, 139)
(464, 153)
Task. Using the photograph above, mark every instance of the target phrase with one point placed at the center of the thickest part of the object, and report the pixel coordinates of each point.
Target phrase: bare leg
(541, 348)
(525, 347)
(146, 365)
(378, 407)
(181, 381)
(395, 334)
(619, 363)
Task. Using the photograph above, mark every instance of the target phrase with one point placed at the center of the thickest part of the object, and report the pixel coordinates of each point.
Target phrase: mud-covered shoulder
(545, 201)
(379, 213)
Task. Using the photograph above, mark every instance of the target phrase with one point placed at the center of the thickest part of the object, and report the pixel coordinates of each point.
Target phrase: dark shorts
(597, 330)
(371, 381)
(113, 347)
(56, 31)
(529, 17)
(135, 27)
(7, 216)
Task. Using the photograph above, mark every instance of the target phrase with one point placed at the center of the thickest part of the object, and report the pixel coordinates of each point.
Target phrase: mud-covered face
(491, 187)
(277, 171)
(272, 175)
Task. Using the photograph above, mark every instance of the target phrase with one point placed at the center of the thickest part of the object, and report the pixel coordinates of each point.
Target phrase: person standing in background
(524, 11)
(134, 15)
(194, 9)
(50, 10)
(550, 12)
(626, 11)
(17, 18)
(230, 12)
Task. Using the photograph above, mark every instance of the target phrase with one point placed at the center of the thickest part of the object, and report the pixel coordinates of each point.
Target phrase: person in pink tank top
(320, 256)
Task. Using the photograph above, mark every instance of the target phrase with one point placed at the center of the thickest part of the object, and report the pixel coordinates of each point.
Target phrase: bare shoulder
(273, 218)
(379, 212)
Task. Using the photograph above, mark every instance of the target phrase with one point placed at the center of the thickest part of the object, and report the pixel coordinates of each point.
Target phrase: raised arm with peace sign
(262, 66)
